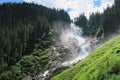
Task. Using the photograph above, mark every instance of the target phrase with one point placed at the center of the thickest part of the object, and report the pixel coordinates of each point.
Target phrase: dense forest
(101, 24)
(26, 34)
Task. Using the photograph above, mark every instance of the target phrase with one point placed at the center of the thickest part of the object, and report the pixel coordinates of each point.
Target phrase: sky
(3, 1)
(73, 7)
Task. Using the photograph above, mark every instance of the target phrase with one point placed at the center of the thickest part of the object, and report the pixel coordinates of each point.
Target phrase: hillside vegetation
(102, 64)
(26, 33)
(101, 24)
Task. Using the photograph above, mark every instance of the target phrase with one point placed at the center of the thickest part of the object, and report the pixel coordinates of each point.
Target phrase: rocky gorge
(70, 48)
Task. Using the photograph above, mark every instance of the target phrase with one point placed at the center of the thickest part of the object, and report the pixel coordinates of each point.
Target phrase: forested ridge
(101, 24)
(26, 34)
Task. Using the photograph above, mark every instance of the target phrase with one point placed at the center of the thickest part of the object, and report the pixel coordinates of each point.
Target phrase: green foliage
(24, 29)
(102, 64)
(109, 20)
(33, 63)
(28, 65)
(13, 74)
(100, 32)
(81, 21)
(90, 26)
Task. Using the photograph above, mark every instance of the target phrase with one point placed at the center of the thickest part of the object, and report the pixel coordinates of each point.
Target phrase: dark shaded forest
(101, 24)
(26, 34)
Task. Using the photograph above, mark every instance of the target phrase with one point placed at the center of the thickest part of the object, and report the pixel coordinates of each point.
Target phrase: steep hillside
(102, 64)
(26, 34)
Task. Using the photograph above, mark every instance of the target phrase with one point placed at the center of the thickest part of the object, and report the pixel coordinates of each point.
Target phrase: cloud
(76, 7)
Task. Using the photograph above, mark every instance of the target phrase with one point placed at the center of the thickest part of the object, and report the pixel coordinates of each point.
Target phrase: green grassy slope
(102, 64)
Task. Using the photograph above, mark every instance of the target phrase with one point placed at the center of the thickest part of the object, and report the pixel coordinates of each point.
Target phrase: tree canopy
(25, 31)
(108, 21)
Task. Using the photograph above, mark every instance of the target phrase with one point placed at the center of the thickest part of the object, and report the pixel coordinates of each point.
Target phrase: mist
(70, 36)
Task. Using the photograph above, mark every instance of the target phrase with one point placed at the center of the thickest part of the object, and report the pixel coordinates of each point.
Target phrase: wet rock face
(94, 44)
(58, 54)
(28, 78)
(48, 74)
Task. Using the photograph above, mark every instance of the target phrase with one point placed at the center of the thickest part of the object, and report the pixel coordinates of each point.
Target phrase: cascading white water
(45, 73)
(76, 30)
(76, 34)
(72, 38)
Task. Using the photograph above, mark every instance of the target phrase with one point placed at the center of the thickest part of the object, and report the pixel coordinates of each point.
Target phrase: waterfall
(76, 30)
(72, 38)
(76, 34)
(79, 46)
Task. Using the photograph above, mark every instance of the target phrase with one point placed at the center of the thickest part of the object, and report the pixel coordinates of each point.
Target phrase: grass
(102, 64)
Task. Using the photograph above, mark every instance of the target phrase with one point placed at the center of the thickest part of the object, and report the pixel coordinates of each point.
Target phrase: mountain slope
(102, 64)
(26, 35)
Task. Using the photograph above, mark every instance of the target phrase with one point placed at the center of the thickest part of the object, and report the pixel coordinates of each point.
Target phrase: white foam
(45, 73)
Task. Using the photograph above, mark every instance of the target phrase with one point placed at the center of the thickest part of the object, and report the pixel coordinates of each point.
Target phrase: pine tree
(1, 59)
